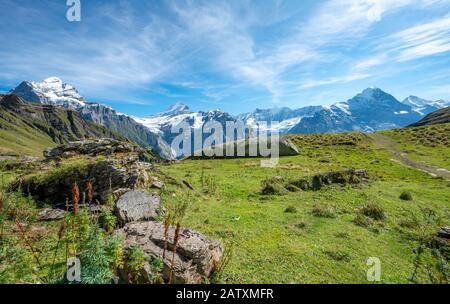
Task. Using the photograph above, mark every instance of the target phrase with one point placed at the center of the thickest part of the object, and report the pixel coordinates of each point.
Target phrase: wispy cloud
(334, 80)
(217, 51)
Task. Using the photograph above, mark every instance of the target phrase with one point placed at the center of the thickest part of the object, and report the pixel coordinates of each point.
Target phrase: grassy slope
(430, 144)
(269, 245)
(18, 138)
(28, 128)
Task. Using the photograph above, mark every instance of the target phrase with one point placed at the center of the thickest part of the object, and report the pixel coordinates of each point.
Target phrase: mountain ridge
(370, 110)
(32, 127)
(55, 92)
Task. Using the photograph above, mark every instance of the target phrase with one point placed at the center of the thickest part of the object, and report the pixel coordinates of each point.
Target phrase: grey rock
(102, 146)
(156, 183)
(196, 257)
(49, 214)
(444, 232)
(138, 205)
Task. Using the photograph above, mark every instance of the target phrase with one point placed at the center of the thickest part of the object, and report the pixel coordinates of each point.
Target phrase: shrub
(300, 225)
(363, 221)
(95, 260)
(136, 260)
(324, 211)
(290, 209)
(338, 255)
(373, 211)
(406, 196)
(209, 185)
(292, 188)
(108, 221)
(302, 184)
(271, 186)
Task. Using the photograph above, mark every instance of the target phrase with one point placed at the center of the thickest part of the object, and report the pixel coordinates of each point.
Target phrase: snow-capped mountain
(281, 119)
(179, 115)
(50, 91)
(55, 92)
(370, 110)
(423, 106)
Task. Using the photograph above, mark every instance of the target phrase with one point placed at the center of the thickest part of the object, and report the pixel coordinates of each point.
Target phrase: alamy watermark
(73, 270)
(230, 139)
(74, 12)
(374, 271)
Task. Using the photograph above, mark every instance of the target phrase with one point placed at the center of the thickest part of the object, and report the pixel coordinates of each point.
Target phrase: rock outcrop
(95, 147)
(138, 205)
(196, 257)
(48, 214)
(122, 170)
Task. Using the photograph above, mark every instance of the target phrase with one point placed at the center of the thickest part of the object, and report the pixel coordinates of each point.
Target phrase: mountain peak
(51, 90)
(53, 79)
(371, 91)
(178, 106)
(177, 109)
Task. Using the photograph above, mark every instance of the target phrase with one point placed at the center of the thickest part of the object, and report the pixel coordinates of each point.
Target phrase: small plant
(116, 252)
(136, 260)
(95, 259)
(373, 211)
(108, 221)
(157, 266)
(406, 196)
(75, 198)
(176, 238)
(363, 221)
(290, 209)
(273, 186)
(338, 255)
(90, 192)
(300, 225)
(217, 276)
(209, 185)
(324, 211)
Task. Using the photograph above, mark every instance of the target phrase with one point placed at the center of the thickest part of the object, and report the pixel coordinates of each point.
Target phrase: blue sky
(141, 56)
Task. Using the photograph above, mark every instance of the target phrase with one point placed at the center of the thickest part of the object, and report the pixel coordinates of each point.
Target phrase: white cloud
(334, 80)
(365, 64)
(422, 40)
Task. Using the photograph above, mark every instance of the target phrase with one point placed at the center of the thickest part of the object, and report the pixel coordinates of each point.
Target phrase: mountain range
(371, 110)
(53, 91)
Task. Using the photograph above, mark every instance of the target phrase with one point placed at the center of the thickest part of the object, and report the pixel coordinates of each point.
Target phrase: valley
(332, 203)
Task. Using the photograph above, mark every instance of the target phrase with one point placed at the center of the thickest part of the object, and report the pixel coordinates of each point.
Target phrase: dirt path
(388, 144)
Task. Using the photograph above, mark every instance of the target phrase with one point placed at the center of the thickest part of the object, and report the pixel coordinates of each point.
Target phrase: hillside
(29, 128)
(289, 235)
(438, 117)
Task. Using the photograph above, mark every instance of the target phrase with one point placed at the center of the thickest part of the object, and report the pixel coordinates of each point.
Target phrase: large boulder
(196, 257)
(138, 205)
